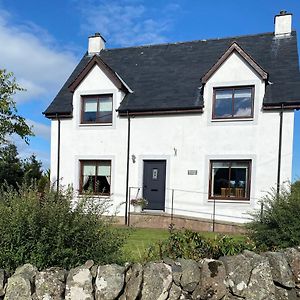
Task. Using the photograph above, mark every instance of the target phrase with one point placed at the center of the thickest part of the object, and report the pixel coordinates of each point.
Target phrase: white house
(193, 127)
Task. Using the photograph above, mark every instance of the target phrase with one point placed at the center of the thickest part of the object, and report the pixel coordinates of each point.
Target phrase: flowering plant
(139, 201)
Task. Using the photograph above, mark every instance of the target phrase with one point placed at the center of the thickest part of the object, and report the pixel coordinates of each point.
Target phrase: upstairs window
(230, 179)
(96, 109)
(233, 103)
(95, 176)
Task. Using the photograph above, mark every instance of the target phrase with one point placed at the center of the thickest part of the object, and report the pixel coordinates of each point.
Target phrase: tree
(10, 121)
(11, 170)
(15, 171)
(32, 169)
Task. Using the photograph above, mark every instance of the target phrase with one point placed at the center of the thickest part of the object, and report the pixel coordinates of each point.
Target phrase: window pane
(105, 117)
(104, 169)
(223, 104)
(90, 110)
(106, 104)
(89, 169)
(90, 105)
(238, 180)
(88, 179)
(103, 177)
(105, 110)
(243, 103)
(220, 178)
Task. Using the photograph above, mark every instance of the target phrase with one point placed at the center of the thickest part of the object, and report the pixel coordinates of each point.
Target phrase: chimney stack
(283, 24)
(96, 44)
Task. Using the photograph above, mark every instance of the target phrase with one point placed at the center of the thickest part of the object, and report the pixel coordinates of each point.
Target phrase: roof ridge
(192, 41)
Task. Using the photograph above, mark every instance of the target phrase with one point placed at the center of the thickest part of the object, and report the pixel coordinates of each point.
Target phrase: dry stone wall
(271, 275)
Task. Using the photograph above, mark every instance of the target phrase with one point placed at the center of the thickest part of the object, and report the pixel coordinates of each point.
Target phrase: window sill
(95, 124)
(238, 201)
(232, 120)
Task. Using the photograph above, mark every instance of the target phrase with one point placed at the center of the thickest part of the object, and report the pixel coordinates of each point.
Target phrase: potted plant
(138, 204)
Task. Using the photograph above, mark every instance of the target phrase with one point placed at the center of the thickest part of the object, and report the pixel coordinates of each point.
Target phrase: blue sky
(42, 41)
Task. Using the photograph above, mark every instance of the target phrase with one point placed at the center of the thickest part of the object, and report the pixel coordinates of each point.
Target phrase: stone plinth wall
(271, 275)
(163, 220)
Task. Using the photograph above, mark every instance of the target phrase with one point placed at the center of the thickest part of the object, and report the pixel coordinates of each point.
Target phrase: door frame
(140, 160)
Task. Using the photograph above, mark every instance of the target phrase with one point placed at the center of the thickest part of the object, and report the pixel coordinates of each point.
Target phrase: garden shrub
(193, 245)
(278, 226)
(42, 229)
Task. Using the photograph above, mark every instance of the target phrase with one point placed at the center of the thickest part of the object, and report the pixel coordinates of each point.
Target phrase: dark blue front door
(154, 183)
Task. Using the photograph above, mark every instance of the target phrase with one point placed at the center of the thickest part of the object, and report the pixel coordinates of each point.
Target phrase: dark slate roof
(168, 76)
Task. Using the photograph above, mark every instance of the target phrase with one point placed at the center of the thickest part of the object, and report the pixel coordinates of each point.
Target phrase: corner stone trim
(249, 276)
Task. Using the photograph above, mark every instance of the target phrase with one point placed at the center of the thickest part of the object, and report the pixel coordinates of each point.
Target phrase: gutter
(160, 112)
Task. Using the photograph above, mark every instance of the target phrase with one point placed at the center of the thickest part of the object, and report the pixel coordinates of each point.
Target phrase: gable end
(237, 49)
(96, 60)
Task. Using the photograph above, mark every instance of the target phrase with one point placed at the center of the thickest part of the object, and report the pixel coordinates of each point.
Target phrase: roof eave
(125, 112)
(282, 105)
(57, 115)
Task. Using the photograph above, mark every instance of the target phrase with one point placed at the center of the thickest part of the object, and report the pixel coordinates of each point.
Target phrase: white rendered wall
(195, 137)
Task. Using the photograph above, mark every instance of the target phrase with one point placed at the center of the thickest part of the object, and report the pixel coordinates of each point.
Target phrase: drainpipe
(279, 149)
(127, 171)
(58, 154)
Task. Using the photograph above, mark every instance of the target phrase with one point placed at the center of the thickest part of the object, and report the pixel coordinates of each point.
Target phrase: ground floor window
(230, 179)
(95, 176)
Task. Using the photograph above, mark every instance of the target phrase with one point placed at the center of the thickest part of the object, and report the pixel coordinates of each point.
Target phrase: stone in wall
(133, 282)
(20, 284)
(281, 272)
(190, 274)
(2, 282)
(175, 292)
(157, 281)
(50, 284)
(293, 258)
(79, 284)
(249, 276)
(211, 285)
(109, 282)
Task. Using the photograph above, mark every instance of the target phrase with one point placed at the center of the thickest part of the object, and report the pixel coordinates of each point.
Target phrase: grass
(140, 239)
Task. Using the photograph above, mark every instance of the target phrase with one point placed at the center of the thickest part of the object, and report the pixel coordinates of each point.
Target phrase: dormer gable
(235, 49)
(112, 75)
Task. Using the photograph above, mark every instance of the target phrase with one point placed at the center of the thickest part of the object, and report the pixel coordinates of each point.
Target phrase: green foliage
(10, 121)
(11, 170)
(193, 245)
(32, 169)
(279, 224)
(14, 171)
(45, 231)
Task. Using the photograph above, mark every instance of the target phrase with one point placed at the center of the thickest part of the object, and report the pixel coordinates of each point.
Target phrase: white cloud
(30, 52)
(26, 151)
(40, 129)
(125, 23)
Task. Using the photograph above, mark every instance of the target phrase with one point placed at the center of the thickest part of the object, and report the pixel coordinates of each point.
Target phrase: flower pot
(138, 208)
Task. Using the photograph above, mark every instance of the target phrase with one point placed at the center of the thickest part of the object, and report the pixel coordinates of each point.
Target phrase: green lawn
(140, 239)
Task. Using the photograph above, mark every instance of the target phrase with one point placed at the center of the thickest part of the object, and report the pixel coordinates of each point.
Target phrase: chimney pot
(283, 24)
(96, 44)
